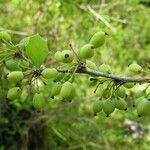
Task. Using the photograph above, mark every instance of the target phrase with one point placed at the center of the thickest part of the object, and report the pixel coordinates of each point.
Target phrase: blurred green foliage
(62, 22)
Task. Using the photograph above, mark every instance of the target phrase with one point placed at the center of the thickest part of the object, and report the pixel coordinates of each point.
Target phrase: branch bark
(118, 79)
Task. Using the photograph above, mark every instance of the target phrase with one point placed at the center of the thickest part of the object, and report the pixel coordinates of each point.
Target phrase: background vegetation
(73, 126)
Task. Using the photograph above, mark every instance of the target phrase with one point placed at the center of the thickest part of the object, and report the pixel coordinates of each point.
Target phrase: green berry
(24, 94)
(38, 101)
(23, 64)
(135, 68)
(129, 85)
(59, 76)
(121, 92)
(15, 76)
(24, 42)
(67, 91)
(97, 106)
(98, 39)
(86, 51)
(92, 82)
(12, 65)
(4, 36)
(91, 65)
(143, 107)
(106, 93)
(25, 82)
(108, 107)
(139, 94)
(58, 56)
(14, 93)
(137, 100)
(56, 89)
(105, 68)
(67, 56)
(121, 104)
(49, 73)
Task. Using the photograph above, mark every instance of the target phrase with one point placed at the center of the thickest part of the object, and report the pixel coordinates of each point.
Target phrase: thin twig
(15, 32)
(26, 59)
(100, 17)
(124, 21)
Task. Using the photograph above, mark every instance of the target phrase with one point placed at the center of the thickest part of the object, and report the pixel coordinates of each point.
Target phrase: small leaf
(36, 50)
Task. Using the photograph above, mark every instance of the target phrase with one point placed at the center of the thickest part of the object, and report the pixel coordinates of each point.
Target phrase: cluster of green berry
(27, 76)
(112, 99)
(66, 89)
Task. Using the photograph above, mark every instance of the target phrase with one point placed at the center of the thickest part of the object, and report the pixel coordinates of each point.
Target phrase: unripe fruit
(15, 76)
(86, 51)
(71, 96)
(24, 42)
(136, 102)
(56, 89)
(105, 68)
(121, 92)
(49, 73)
(108, 107)
(25, 82)
(139, 94)
(24, 94)
(121, 104)
(91, 64)
(135, 68)
(106, 93)
(59, 76)
(14, 93)
(92, 82)
(58, 56)
(67, 56)
(67, 91)
(97, 106)
(98, 39)
(23, 64)
(12, 65)
(4, 36)
(38, 101)
(129, 85)
(143, 107)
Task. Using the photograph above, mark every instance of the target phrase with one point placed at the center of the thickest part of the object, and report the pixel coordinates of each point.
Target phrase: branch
(121, 80)
(84, 70)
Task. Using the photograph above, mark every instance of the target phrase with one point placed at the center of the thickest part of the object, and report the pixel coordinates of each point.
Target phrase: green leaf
(36, 50)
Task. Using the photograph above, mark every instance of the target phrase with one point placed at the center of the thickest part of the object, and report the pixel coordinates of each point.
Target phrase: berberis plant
(23, 69)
